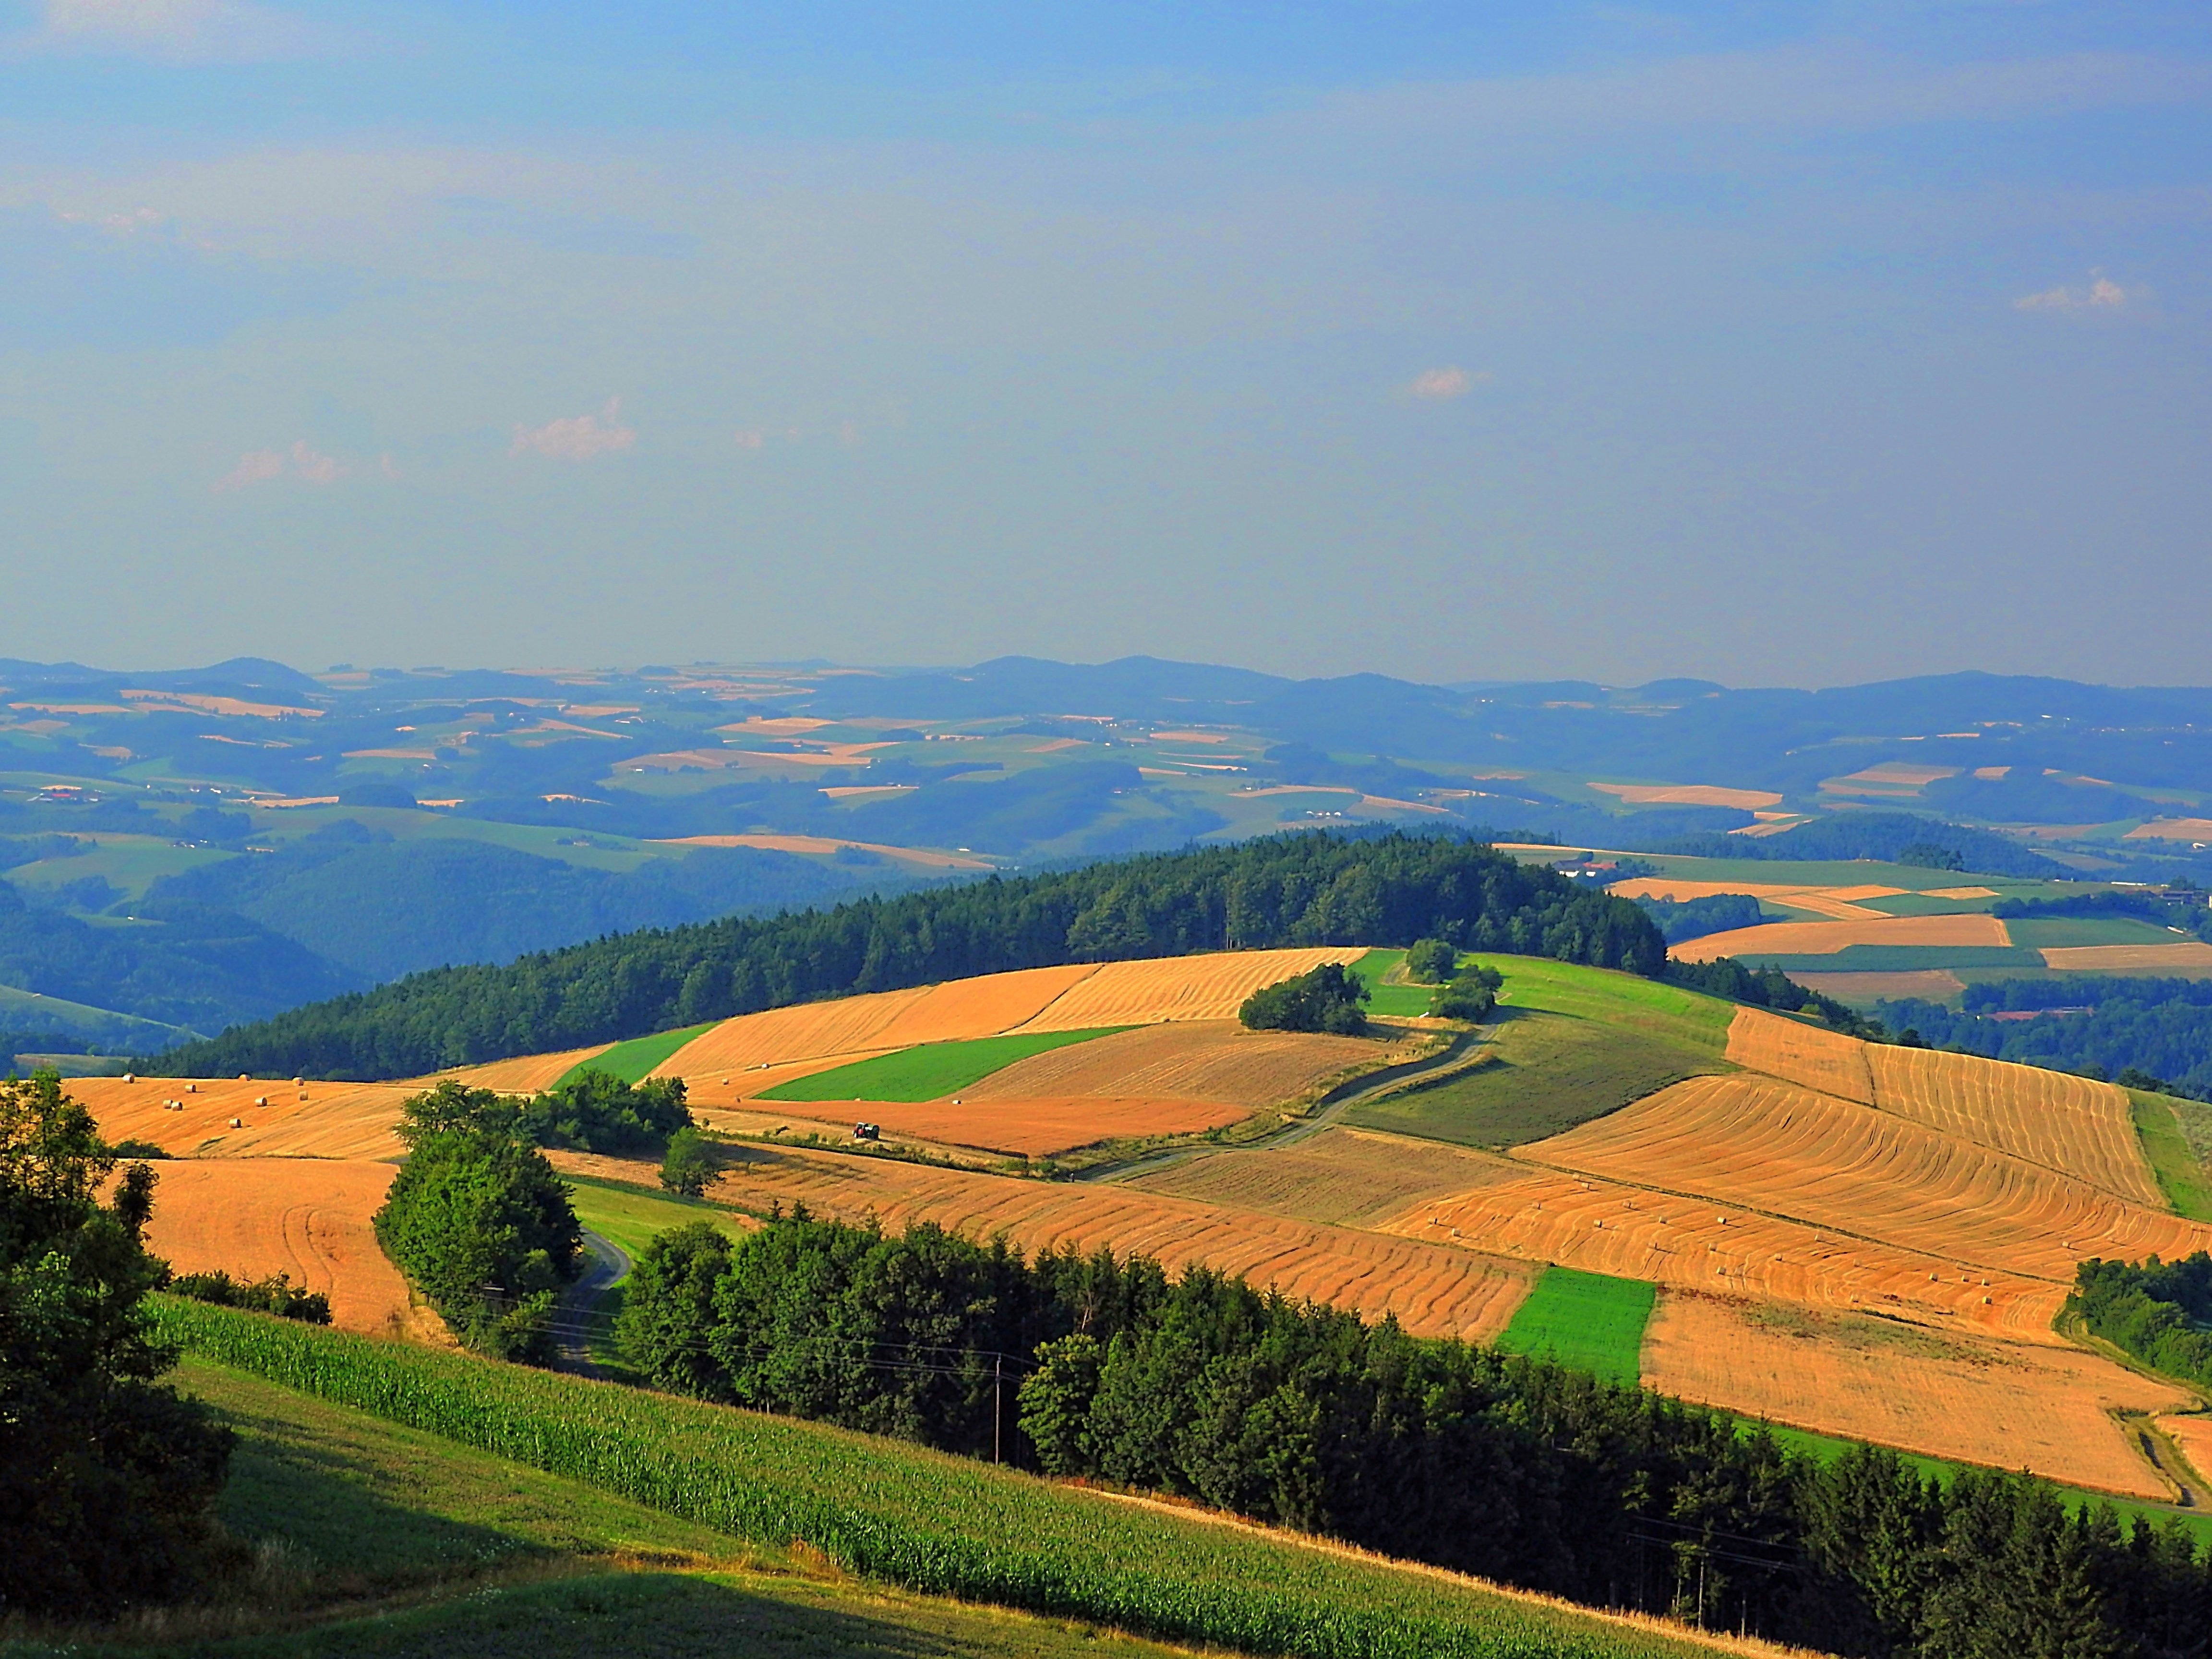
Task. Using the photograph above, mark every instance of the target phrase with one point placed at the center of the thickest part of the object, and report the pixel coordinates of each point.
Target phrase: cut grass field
(1592, 1322)
(906, 1516)
(631, 1220)
(631, 1061)
(2180, 1175)
(930, 1071)
(1389, 992)
(1567, 1044)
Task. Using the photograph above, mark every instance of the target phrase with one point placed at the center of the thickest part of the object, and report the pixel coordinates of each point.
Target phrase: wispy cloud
(303, 462)
(2101, 293)
(576, 437)
(1441, 384)
(200, 30)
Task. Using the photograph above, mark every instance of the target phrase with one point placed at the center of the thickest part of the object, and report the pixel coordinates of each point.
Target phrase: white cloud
(1440, 384)
(2102, 293)
(303, 461)
(191, 30)
(578, 437)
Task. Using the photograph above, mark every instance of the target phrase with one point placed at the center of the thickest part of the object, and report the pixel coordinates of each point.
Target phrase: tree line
(2160, 1312)
(1198, 1385)
(1307, 889)
(2144, 1033)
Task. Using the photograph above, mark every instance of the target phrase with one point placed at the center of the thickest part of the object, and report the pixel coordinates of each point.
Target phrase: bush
(1471, 996)
(1430, 961)
(1326, 1000)
(597, 1112)
(689, 1166)
(277, 1296)
(109, 1477)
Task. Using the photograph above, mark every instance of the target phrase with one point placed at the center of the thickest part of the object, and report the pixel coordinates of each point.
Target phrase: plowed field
(2070, 1124)
(1434, 1291)
(306, 1217)
(1761, 1144)
(2006, 1404)
(1178, 988)
(1189, 1060)
(1634, 1232)
(319, 1119)
(1819, 939)
(528, 1074)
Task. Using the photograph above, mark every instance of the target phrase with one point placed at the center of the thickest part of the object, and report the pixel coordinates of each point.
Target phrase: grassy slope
(929, 1070)
(631, 1061)
(1592, 1322)
(1567, 1044)
(1387, 994)
(395, 1541)
(2180, 1176)
(2041, 932)
(933, 1522)
(630, 1218)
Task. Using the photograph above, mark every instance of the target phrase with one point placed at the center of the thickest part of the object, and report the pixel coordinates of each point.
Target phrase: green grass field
(1899, 958)
(930, 1069)
(1567, 1045)
(2181, 1176)
(898, 1514)
(631, 1220)
(1403, 1000)
(1921, 904)
(1591, 1321)
(631, 1061)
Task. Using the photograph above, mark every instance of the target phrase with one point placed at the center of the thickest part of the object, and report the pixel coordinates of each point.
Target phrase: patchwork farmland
(1852, 1240)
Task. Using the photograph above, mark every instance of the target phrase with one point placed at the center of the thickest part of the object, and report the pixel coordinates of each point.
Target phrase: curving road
(574, 1318)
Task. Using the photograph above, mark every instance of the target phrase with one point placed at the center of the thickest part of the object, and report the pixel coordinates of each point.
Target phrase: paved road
(609, 1264)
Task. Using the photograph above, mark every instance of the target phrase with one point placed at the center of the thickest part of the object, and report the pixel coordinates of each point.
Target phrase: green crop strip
(936, 1524)
(631, 1061)
(1398, 1001)
(1591, 1321)
(929, 1070)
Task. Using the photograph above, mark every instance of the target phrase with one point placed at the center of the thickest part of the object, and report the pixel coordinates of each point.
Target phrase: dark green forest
(1307, 889)
(1299, 1415)
(2160, 1312)
(2152, 1033)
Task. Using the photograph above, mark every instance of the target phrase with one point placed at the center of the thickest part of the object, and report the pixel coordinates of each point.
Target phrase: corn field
(931, 1523)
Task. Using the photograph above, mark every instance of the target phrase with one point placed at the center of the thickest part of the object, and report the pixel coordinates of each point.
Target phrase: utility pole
(998, 1374)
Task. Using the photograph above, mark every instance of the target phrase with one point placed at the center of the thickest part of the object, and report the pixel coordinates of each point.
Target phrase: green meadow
(929, 1070)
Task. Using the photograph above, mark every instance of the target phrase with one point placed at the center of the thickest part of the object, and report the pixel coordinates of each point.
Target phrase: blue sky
(1776, 344)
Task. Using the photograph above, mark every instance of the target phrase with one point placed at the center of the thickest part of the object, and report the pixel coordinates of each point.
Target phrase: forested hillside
(1307, 889)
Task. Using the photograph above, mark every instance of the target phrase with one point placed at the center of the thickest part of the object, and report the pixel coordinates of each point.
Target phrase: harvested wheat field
(1189, 1060)
(962, 1009)
(1820, 903)
(2005, 1404)
(525, 1075)
(2193, 1434)
(306, 1218)
(1959, 892)
(1343, 1176)
(2180, 958)
(1635, 1232)
(1029, 1127)
(1762, 1144)
(1820, 938)
(2171, 829)
(1434, 1291)
(1819, 1059)
(806, 1030)
(1682, 891)
(1688, 795)
(312, 1120)
(823, 844)
(2070, 1124)
(1211, 986)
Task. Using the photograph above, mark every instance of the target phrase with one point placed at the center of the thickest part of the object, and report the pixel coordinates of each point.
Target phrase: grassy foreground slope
(928, 1522)
(1567, 1044)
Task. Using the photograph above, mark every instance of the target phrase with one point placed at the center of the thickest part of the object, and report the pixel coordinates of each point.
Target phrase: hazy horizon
(1815, 347)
